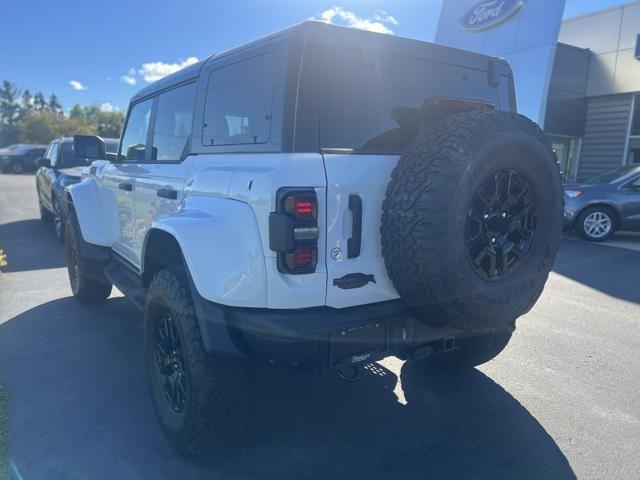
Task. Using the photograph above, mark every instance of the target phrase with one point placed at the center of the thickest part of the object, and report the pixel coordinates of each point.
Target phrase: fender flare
(222, 249)
(85, 198)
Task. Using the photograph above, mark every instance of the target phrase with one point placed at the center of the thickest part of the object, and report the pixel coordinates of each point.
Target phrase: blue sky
(92, 52)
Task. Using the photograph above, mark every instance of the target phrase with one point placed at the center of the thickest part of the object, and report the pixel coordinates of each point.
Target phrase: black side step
(127, 282)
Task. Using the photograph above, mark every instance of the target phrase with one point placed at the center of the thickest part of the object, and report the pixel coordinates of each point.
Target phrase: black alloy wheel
(170, 363)
(501, 225)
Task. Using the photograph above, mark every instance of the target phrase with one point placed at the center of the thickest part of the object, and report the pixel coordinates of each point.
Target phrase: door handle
(126, 186)
(169, 193)
(354, 243)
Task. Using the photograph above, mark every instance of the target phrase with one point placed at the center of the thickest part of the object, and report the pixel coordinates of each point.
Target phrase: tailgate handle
(353, 244)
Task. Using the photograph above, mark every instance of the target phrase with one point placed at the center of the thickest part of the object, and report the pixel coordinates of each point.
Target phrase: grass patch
(4, 434)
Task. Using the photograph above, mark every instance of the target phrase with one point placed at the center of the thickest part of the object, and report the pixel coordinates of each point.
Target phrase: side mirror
(43, 162)
(89, 146)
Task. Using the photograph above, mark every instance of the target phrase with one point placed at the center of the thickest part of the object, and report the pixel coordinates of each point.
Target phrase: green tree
(9, 105)
(27, 102)
(39, 103)
(76, 112)
(108, 124)
(54, 103)
(9, 113)
(44, 126)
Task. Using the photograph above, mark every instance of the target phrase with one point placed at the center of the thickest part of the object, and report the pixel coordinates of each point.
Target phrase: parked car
(20, 158)
(59, 167)
(317, 199)
(603, 204)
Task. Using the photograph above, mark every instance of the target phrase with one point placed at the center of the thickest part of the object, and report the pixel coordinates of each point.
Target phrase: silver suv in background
(603, 204)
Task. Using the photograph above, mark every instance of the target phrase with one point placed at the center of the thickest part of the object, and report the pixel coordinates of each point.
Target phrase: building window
(565, 149)
(633, 155)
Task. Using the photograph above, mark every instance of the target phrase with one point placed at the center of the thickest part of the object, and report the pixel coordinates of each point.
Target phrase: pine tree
(54, 104)
(9, 106)
(27, 103)
(39, 103)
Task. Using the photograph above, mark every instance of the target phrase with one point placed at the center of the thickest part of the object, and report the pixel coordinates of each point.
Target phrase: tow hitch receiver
(355, 346)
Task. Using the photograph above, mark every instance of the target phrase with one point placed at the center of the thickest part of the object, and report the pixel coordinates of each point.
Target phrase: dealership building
(593, 103)
(577, 77)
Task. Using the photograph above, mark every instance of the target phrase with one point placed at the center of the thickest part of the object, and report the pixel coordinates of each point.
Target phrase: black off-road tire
(219, 389)
(17, 168)
(87, 281)
(58, 220)
(45, 215)
(428, 203)
(582, 230)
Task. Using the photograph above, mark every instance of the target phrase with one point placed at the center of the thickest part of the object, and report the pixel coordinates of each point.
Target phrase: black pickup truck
(58, 167)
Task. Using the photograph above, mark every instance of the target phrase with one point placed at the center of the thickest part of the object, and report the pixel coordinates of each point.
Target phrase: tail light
(293, 230)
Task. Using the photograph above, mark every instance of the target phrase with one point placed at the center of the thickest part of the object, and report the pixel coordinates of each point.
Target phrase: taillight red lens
(304, 207)
(303, 258)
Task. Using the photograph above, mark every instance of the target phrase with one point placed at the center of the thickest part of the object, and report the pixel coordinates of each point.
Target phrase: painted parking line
(626, 240)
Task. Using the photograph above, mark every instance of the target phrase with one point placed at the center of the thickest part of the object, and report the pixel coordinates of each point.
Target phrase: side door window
(172, 125)
(160, 182)
(53, 154)
(134, 140)
(119, 178)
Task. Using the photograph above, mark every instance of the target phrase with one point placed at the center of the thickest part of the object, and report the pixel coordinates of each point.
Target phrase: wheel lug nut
(486, 215)
(504, 215)
(493, 240)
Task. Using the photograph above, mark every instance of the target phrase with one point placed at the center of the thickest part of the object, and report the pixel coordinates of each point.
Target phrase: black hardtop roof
(330, 34)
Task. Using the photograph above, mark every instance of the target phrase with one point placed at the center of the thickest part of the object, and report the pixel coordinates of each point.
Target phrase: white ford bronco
(318, 199)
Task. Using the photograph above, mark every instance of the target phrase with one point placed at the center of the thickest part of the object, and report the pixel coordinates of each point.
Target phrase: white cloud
(153, 71)
(76, 85)
(380, 22)
(107, 107)
(128, 79)
(384, 17)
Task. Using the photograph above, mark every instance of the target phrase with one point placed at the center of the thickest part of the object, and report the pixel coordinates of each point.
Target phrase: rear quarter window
(239, 103)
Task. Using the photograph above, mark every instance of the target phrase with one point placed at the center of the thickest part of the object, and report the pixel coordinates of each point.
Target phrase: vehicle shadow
(80, 408)
(30, 245)
(607, 269)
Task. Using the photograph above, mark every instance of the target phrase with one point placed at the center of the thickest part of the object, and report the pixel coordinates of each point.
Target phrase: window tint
(238, 106)
(134, 140)
(172, 128)
(47, 153)
(68, 157)
(53, 153)
(111, 146)
(373, 104)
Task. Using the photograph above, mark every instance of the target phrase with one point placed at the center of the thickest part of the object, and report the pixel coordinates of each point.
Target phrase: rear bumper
(319, 340)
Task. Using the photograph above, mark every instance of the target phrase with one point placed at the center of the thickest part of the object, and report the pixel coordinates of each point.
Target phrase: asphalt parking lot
(562, 401)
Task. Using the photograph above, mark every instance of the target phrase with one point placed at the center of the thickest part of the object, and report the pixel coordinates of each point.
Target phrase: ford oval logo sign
(489, 13)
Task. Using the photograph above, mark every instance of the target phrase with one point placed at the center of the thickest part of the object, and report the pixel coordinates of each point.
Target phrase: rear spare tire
(472, 220)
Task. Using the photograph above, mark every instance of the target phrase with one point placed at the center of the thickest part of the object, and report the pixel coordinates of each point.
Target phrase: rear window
(371, 102)
(239, 103)
(111, 146)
